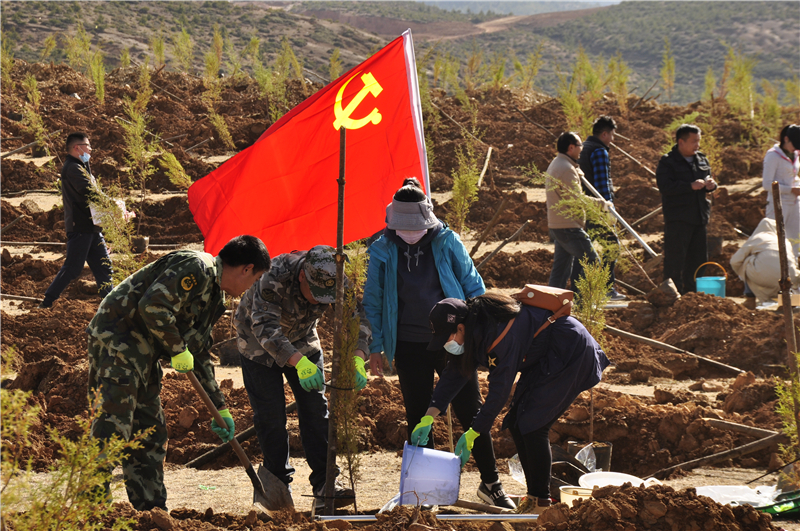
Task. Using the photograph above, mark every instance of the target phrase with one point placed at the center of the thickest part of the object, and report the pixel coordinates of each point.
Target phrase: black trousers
(415, 366)
(685, 249)
(534, 453)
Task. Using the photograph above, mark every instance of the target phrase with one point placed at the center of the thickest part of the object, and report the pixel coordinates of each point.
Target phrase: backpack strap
(502, 335)
(552, 319)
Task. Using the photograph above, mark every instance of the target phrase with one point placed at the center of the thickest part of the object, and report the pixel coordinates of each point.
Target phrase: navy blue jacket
(563, 361)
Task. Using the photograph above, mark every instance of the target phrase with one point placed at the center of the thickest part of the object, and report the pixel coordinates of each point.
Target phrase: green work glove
(361, 373)
(419, 436)
(464, 446)
(183, 362)
(226, 433)
(311, 378)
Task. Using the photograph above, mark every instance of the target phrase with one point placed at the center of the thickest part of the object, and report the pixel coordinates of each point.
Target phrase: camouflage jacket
(274, 320)
(163, 309)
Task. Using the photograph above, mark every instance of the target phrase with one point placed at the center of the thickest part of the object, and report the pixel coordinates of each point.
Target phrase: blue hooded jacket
(457, 274)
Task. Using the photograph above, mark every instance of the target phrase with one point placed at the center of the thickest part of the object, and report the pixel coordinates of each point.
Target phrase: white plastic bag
(587, 458)
(516, 469)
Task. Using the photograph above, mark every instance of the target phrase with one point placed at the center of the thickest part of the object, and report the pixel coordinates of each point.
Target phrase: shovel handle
(251, 473)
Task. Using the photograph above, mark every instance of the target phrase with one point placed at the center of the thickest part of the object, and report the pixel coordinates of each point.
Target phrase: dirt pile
(651, 434)
(629, 508)
(713, 327)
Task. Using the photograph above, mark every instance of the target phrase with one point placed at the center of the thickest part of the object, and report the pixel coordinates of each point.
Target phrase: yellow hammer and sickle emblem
(343, 118)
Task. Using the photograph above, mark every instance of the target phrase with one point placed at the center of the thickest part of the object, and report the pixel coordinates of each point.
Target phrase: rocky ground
(652, 429)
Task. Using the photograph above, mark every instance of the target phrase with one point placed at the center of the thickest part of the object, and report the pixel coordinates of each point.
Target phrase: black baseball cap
(444, 319)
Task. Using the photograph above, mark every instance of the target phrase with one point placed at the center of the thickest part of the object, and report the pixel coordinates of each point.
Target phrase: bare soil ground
(649, 406)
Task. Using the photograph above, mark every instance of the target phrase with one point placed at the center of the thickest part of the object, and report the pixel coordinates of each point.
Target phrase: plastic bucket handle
(724, 273)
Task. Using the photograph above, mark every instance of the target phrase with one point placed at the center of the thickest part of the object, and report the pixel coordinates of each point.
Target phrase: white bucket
(429, 476)
(570, 493)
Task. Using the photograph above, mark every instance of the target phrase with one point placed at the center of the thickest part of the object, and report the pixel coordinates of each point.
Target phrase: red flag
(283, 188)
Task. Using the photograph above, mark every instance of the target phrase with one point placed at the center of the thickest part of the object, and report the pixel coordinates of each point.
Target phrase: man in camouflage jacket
(276, 324)
(166, 310)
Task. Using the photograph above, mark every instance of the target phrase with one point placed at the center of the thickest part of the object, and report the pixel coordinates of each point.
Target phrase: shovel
(268, 491)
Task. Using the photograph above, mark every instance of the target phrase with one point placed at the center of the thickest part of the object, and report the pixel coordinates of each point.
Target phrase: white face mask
(411, 236)
(454, 348)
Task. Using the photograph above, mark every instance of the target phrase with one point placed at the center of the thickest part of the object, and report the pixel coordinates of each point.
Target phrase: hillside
(697, 31)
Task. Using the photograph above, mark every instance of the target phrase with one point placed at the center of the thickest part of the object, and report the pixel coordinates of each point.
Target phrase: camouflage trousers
(129, 386)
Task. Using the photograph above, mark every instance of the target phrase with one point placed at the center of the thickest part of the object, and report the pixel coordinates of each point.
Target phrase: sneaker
(45, 304)
(342, 497)
(532, 505)
(615, 295)
(495, 496)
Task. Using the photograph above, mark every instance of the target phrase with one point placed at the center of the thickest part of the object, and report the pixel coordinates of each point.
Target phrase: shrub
(73, 496)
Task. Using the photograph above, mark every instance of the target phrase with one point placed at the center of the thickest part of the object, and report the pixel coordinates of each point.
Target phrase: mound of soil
(713, 327)
(649, 436)
(629, 508)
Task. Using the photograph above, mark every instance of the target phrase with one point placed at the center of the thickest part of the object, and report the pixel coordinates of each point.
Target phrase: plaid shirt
(602, 176)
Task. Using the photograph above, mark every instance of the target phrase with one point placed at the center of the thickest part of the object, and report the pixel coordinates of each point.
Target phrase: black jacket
(76, 183)
(679, 202)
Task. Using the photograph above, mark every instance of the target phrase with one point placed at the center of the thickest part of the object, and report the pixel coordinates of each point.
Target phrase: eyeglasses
(87, 145)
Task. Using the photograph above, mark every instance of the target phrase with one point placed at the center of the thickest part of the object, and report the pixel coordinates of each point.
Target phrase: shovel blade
(275, 496)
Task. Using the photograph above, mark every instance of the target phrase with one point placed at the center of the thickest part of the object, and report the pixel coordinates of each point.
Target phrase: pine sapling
(465, 188)
(174, 170)
(335, 65)
(98, 70)
(668, 69)
(183, 50)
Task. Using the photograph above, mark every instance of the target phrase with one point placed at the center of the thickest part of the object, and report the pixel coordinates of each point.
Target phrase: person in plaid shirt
(596, 168)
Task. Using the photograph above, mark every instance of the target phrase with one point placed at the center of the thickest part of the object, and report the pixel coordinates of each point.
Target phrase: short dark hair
(683, 132)
(565, 140)
(603, 124)
(410, 192)
(485, 313)
(793, 132)
(74, 138)
(244, 250)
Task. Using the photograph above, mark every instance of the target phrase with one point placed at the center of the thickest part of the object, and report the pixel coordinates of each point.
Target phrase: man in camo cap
(276, 324)
(166, 310)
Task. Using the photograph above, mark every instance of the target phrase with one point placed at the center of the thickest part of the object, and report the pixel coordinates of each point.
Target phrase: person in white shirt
(782, 163)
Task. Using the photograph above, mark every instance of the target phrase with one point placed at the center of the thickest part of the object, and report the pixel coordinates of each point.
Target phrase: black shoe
(495, 496)
(342, 497)
(45, 304)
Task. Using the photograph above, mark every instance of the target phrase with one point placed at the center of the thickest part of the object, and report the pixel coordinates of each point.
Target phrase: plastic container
(429, 476)
(711, 285)
(604, 479)
(571, 493)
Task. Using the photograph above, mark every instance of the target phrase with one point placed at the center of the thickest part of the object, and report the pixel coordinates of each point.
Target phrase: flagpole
(330, 471)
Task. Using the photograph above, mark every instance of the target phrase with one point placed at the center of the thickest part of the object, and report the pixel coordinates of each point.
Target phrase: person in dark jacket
(684, 180)
(496, 332)
(85, 242)
(595, 165)
(417, 262)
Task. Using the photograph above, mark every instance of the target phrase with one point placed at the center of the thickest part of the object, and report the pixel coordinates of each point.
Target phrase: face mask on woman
(454, 347)
(411, 236)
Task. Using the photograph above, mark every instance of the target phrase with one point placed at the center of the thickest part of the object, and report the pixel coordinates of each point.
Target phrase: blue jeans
(264, 387)
(83, 247)
(571, 246)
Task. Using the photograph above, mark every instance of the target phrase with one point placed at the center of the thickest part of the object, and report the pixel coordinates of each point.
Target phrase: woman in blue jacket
(415, 263)
(496, 332)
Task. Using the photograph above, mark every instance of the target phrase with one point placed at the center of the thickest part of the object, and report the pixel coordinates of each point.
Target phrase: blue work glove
(311, 378)
(419, 436)
(226, 433)
(183, 362)
(361, 373)
(464, 446)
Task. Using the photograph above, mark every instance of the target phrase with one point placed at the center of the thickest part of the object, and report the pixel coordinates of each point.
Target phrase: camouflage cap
(320, 269)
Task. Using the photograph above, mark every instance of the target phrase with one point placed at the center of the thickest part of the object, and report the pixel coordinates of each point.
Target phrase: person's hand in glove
(311, 378)
(225, 433)
(183, 362)
(464, 446)
(361, 373)
(419, 436)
